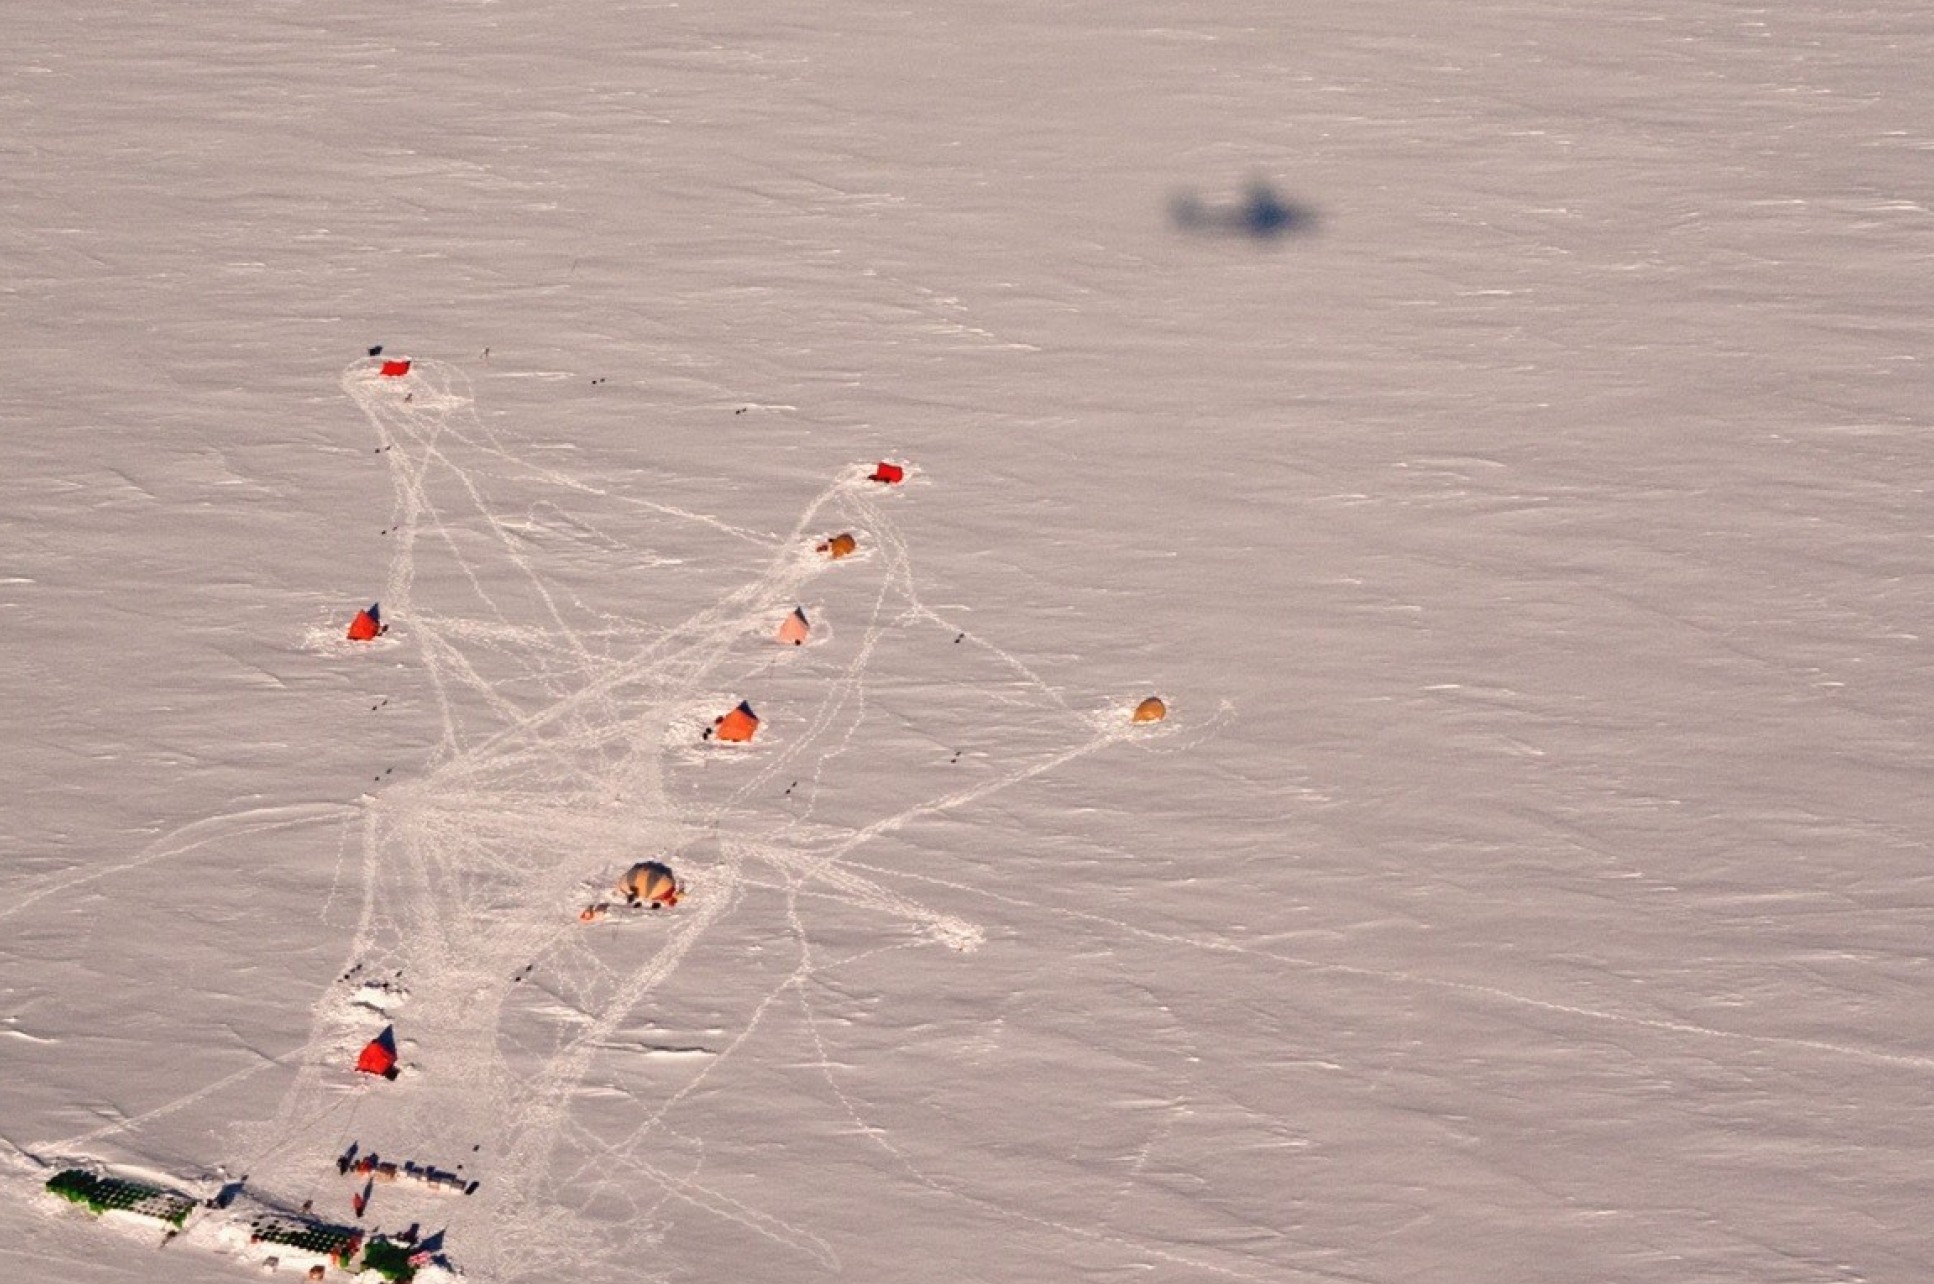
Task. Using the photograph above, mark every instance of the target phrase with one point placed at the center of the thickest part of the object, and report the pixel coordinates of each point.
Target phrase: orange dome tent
(368, 625)
(795, 628)
(1150, 710)
(737, 725)
(841, 545)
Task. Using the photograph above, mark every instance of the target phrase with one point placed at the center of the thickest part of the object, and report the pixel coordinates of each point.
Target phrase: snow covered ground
(1531, 882)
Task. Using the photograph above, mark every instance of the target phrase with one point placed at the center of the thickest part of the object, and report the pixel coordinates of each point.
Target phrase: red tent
(368, 625)
(888, 473)
(395, 368)
(736, 725)
(379, 1054)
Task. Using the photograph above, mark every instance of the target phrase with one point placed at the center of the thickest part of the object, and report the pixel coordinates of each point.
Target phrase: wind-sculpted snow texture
(1529, 882)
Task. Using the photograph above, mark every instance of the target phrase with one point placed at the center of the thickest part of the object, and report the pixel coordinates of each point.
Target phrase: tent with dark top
(368, 624)
(736, 726)
(379, 1055)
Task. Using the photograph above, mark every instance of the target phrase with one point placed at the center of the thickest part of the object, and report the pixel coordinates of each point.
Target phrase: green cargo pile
(337, 1242)
(118, 1194)
(390, 1260)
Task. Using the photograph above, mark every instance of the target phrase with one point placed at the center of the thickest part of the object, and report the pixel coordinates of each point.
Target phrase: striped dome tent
(650, 882)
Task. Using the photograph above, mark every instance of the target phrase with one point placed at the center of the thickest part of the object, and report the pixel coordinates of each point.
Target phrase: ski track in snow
(188, 838)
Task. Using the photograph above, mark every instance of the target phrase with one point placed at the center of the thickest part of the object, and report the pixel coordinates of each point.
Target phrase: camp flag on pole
(379, 1055)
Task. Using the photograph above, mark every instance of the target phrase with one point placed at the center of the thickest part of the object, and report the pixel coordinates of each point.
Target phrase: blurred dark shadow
(1261, 215)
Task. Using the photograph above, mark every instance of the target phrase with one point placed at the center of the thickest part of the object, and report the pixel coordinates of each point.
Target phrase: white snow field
(1532, 881)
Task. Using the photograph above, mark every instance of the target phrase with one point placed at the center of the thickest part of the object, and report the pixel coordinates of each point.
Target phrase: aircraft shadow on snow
(1261, 214)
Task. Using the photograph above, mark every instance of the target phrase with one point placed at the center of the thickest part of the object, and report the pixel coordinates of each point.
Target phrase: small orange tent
(888, 473)
(1150, 710)
(379, 1054)
(841, 545)
(394, 369)
(737, 725)
(795, 628)
(368, 625)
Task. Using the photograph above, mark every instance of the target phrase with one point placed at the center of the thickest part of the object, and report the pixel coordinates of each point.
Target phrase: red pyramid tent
(795, 628)
(888, 473)
(395, 368)
(379, 1054)
(368, 625)
(738, 724)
